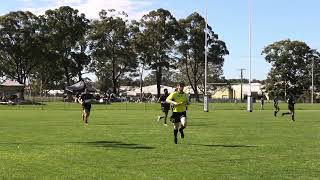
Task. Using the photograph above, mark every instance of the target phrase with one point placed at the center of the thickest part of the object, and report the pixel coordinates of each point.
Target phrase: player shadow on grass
(115, 144)
(227, 145)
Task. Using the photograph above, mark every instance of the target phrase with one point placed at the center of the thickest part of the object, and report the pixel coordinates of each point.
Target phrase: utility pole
(241, 82)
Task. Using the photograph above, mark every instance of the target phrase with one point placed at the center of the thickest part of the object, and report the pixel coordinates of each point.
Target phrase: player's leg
(183, 125)
(165, 116)
(160, 117)
(83, 115)
(276, 110)
(87, 117)
(287, 112)
(87, 110)
(175, 131)
(292, 114)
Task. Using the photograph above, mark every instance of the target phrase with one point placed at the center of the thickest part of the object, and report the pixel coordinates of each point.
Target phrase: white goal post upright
(205, 97)
(249, 104)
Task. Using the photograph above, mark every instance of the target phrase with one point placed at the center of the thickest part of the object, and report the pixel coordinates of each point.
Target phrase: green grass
(124, 141)
(150, 106)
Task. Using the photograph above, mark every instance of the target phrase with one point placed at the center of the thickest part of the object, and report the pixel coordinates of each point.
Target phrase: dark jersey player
(291, 103)
(85, 100)
(262, 103)
(276, 105)
(165, 107)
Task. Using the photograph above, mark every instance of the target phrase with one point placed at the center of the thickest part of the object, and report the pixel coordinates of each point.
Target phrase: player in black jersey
(291, 103)
(276, 105)
(85, 100)
(165, 107)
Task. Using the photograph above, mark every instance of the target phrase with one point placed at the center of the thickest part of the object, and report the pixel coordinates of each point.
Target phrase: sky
(272, 20)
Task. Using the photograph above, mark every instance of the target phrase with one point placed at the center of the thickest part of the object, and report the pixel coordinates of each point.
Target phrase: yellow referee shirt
(181, 99)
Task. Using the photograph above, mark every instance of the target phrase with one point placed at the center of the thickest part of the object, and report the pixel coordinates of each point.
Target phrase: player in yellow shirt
(179, 100)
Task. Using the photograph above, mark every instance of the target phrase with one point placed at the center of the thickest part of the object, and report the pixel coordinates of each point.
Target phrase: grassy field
(124, 141)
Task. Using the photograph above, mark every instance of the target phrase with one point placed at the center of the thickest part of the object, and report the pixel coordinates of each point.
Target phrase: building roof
(10, 83)
(255, 87)
(150, 90)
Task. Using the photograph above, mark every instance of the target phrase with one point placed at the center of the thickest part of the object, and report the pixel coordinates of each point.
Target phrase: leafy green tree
(112, 50)
(65, 33)
(291, 67)
(159, 33)
(191, 48)
(20, 49)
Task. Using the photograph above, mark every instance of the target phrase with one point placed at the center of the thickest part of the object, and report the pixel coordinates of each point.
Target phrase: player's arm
(170, 99)
(80, 99)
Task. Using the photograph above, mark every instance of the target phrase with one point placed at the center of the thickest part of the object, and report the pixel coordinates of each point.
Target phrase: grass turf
(129, 144)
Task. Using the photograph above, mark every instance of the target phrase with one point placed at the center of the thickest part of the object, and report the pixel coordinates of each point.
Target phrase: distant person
(179, 100)
(276, 105)
(262, 102)
(189, 98)
(165, 107)
(85, 100)
(291, 103)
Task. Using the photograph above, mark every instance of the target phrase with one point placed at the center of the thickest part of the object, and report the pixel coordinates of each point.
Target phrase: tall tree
(65, 34)
(291, 67)
(138, 45)
(159, 32)
(191, 48)
(48, 74)
(112, 50)
(19, 45)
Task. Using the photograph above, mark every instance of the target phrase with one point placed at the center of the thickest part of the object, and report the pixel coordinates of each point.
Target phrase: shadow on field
(227, 145)
(115, 144)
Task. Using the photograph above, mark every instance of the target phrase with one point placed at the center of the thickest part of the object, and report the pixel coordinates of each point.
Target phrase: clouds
(134, 8)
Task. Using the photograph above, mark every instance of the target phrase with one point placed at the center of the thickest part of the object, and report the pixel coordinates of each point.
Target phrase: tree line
(56, 48)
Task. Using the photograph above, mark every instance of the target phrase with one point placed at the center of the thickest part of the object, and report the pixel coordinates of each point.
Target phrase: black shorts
(291, 107)
(176, 116)
(86, 107)
(165, 108)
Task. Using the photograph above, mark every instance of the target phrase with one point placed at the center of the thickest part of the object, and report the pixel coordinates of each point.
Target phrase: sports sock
(285, 113)
(175, 132)
(181, 132)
